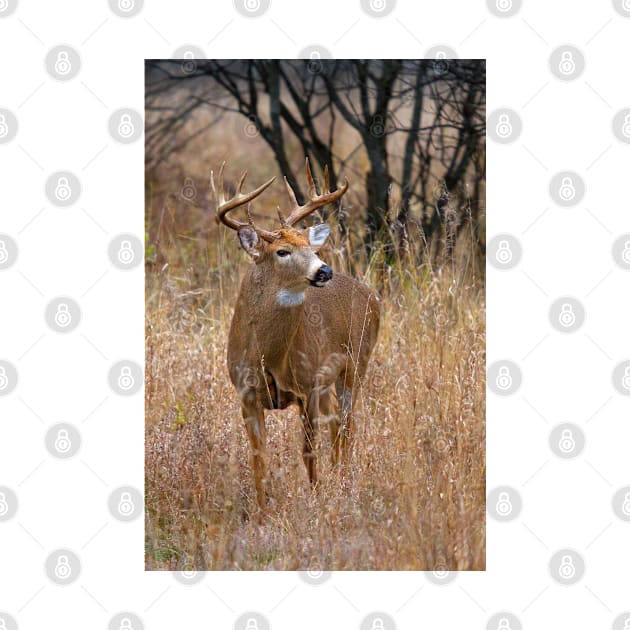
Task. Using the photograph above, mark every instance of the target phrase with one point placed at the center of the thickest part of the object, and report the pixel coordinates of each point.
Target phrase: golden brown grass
(413, 497)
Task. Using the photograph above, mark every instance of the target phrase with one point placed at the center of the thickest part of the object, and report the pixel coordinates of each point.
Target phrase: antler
(316, 201)
(225, 205)
(297, 212)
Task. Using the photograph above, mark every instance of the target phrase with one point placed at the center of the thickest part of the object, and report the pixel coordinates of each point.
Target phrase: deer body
(299, 335)
(288, 343)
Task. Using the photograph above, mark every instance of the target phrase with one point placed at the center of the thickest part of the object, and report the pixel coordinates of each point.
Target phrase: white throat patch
(290, 298)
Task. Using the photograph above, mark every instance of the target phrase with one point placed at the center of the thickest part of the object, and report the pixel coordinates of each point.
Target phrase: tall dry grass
(413, 497)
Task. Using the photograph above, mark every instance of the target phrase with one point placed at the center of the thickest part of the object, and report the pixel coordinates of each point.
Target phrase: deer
(298, 330)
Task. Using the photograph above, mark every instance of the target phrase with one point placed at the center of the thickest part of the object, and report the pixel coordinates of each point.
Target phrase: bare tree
(433, 109)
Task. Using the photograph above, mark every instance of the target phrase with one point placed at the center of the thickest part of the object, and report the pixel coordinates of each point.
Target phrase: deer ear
(318, 234)
(250, 241)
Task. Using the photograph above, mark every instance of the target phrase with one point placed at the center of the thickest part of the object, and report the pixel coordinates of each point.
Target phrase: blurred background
(408, 135)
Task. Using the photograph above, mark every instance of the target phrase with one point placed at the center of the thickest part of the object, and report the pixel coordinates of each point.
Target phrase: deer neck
(277, 316)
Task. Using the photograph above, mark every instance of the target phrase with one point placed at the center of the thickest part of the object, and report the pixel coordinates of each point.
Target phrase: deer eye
(283, 252)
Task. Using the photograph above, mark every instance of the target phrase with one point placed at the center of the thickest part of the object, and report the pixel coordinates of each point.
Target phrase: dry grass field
(413, 496)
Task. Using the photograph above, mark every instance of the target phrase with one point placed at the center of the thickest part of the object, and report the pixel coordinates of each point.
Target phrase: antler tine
(239, 188)
(309, 177)
(316, 201)
(291, 193)
(283, 222)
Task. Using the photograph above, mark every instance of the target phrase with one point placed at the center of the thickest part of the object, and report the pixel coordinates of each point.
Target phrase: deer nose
(324, 274)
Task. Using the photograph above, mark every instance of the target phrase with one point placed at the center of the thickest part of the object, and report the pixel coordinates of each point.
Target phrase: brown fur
(293, 237)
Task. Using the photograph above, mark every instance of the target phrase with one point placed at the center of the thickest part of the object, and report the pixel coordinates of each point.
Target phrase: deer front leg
(329, 414)
(309, 416)
(254, 417)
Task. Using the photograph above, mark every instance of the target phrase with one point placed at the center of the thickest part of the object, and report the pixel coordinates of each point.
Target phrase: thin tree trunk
(377, 184)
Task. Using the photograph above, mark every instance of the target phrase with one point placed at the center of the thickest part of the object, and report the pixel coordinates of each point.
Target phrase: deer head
(288, 255)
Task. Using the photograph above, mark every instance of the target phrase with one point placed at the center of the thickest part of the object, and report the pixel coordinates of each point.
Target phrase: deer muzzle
(322, 276)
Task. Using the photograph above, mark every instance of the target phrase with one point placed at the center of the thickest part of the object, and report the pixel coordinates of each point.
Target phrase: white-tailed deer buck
(298, 330)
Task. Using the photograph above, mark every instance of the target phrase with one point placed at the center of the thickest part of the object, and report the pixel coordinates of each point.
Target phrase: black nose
(324, 274)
